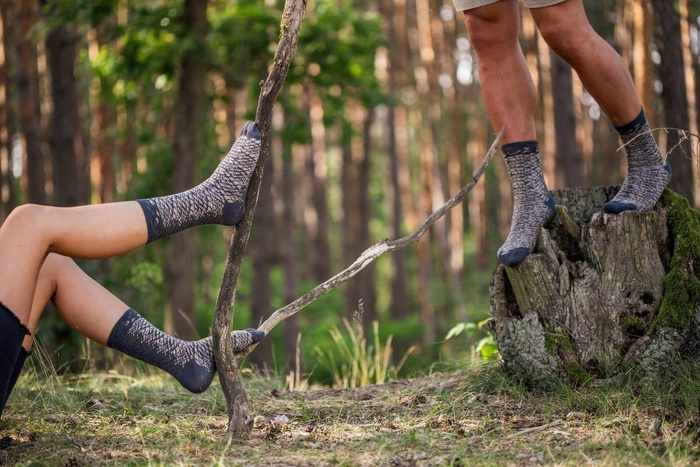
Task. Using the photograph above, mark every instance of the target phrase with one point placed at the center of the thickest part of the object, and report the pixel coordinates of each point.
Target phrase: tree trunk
(61, 48)
(7, 195)
(320, 255)
(188, 123)
(262, 255)
(291, 275)
(674, 95)
(30, 101)
(592, 304)
(569, 160)
(395, 69)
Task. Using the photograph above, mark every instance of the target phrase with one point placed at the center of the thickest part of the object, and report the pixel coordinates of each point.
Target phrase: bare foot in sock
(533, 206)
(191, 363)
(647, 174)
(218, 200)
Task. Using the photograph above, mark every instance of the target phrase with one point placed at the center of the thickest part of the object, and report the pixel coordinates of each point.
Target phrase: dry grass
(471, 417)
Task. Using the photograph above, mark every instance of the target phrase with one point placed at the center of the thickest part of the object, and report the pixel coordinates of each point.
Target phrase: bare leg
(566, 29)
(509, 92)
(95, 313)
(103, 231)
(31, 232)
(81, 302)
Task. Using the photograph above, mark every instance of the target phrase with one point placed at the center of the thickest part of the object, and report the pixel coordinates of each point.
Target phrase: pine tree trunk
(568, 157)
(596, 304)
(262, 255)
(30, 101)
(7, 195)
(61, 51)
(188, 122)
(674, 95)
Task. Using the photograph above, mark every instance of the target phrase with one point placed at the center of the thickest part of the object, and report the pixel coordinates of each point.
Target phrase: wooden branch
(378, 249)
(240, 422)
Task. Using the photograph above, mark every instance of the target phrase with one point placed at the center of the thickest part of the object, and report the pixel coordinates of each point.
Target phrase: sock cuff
(519, 148)
(121, 327)
(149, 211)
(633, 126)
(8, 312)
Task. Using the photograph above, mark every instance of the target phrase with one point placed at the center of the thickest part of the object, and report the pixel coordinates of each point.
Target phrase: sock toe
(514, 257)
(256, 335)
(616, 207)
(251, 130)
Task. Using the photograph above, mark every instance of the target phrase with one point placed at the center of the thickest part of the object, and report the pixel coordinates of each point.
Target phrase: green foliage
(486, 346)
(681, 284)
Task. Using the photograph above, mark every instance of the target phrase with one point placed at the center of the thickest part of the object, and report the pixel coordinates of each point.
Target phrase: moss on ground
(681, 284)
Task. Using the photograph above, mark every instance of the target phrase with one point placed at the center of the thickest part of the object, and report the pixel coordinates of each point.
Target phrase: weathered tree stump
(623, 296)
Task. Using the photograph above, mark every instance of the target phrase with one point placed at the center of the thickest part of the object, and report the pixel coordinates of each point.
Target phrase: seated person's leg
(95, 313)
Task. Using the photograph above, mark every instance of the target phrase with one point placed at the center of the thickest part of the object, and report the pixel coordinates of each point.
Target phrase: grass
(473, 416)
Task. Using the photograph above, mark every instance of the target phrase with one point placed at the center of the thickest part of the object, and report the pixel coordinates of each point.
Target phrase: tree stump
(602, 295)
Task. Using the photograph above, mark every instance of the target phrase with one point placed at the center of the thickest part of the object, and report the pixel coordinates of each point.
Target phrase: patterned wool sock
(533, 206)
(218, 200)
(19, 364)
(12, 333)
(647, 174)
(191, 363)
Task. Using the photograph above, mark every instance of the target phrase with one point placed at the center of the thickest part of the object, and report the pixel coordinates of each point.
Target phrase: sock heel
(233, 213)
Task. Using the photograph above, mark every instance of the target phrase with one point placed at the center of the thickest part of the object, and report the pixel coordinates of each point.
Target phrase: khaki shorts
(462, 5)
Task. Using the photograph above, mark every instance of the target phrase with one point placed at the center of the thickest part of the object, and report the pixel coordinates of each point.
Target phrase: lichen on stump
(623, 296)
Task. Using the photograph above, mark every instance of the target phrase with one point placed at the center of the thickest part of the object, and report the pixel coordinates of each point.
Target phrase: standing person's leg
(95, 313)
(566, 29)
(509, 94)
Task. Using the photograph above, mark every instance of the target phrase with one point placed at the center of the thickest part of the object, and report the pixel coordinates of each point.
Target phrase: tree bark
(262, 255)
(674, 95)
(7, 194)
(569, 160)
(592, 303)
(188, 123)
(395, 71)
(61, 49)
(320, 255)
(30, 101)
(291, 275)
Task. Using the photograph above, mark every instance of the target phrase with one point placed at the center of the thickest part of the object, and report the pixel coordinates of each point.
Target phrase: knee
(58, 264)
(563, 38)
(26, 218)
(490, 35)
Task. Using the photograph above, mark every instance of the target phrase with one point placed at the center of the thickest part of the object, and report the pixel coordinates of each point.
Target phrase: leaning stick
(240, 422)
(376, 250)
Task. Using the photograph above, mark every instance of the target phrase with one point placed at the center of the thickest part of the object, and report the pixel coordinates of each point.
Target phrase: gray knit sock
(191, 363)
(647, 173)
(218, 200)
(533, 206)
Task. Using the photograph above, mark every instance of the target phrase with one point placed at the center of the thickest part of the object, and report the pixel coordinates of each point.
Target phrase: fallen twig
(534, 429)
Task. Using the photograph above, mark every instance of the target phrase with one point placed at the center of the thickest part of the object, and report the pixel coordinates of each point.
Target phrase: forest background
(380, 121)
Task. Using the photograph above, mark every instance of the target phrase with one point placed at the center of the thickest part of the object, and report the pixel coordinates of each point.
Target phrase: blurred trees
(380, 121)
